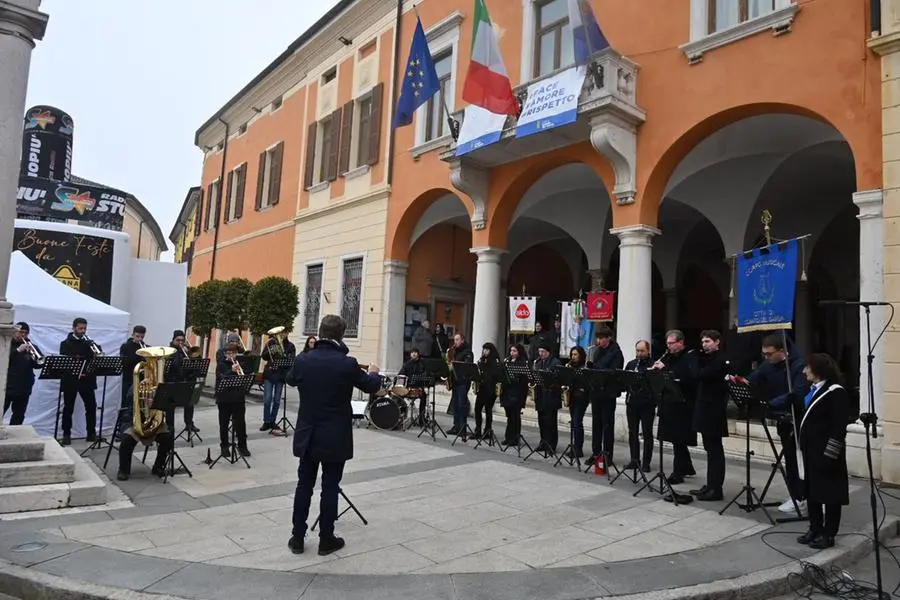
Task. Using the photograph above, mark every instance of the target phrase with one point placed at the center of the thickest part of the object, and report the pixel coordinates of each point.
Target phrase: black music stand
(350, 506)
(465, 371)
(435, 369)
(520, 372)
(102, 366)
(491, 374)
(543, 380)
(168, 397)
(242, 383)
(606, 382)
(58, 368)
(193, 370)
(777, 467)
(746, 395)
(420, 382)
(665, 392)
(570, 378)
(634, 383)
(282, 365)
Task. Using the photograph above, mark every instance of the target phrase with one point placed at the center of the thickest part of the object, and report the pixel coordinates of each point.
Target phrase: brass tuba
(147, 421)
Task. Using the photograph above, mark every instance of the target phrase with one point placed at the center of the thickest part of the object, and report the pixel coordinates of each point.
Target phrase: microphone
(851, 303)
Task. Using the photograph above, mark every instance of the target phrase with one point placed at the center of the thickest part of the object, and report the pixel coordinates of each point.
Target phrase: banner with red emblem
(522, 314)
(600, 306)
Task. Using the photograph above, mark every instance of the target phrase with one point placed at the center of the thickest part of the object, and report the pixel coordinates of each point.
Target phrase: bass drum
(387, 413)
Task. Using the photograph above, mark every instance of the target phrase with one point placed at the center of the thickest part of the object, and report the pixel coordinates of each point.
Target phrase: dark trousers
(459, 399)
(234, 412)
(603, 423)
(513, 425)
(577, 410)
(715, 461)
(824, 518)
(165, 442)
(484, 402)
(188, 417)
(70, 393)
(19, 405)
(640, 415)
(328, 498)
(682, 463)
(548, 424)
(791, 470)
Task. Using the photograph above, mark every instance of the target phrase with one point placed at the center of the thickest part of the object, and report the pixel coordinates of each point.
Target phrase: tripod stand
(283, 365)
(433, 369)
(105, 367)
(193, 371)
(350, 506)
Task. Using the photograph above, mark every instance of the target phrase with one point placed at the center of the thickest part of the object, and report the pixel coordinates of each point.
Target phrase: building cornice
(882, 45)
(381, 193)
(187, 207)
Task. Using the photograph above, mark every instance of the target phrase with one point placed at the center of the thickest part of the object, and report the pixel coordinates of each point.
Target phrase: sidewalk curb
(25, 582)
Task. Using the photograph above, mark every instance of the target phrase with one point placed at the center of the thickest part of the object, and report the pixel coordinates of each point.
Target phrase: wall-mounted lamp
(345, 41)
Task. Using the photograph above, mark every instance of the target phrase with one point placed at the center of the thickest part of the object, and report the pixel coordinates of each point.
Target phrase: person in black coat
(232, 404)
(823, 433)
(414, 369)
(676, 418)
(710, 419)
(640, 410)
(77, 343)
(20, 376)
(273, 380)
(547, 399)
(325, 377)
(607, 357)
(130, 359)
(579, 400)
(513, 396)
(176, 373)
(486, 395)
(459, 395)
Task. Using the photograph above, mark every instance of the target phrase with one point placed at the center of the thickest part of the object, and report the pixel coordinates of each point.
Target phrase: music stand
(102, 366)
(58, 368)
(465, 371)
(435, 368)
(243, 384)
(747, 397)
(604, 382)
(665, 392)
(634, 383)
(282, 365)
(491, 374)
(169, 396)
(350, 506)
(193, 370)
(420, 382)
(777, 467)
(542, 379)
(519, 372)
(570, 378)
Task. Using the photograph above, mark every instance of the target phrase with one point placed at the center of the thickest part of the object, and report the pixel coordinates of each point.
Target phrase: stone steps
(21, 444)
(56, 467)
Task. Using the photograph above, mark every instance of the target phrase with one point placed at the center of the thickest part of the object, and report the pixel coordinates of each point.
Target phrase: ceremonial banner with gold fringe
(767, 282)
(522, 314)
(600, 306)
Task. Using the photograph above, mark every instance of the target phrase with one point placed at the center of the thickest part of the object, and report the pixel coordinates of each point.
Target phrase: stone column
(635, 305)
(20, 25)
(486, 311)
(671, 295)
(502, 320)
(394, 316)
(871, 289)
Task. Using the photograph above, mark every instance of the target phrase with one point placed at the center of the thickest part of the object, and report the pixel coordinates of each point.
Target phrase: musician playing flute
(710, 419)
(231, 403)
(20, 377)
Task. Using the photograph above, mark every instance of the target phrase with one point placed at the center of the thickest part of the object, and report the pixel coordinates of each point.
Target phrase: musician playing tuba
(130, 359)
(147, 424)
(78, 344)
(231, 403)
(486, 393)
(278, 346)
(24, 358)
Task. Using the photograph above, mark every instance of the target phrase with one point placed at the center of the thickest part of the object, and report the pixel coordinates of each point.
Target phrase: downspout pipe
(875, 17)
(395, 91)
(212, 262)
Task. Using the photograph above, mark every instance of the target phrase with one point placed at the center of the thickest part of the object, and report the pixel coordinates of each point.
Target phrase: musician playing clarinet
(640, 411)
(607, 356)
(710, 419)
(20, 377)
(459, 396)
(579, 399)
(513, 396)
(486, 395)
(78, 344)
(231, 404)
(547, 399)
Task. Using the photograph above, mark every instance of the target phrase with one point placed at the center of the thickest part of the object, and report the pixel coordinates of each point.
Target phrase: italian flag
(487, 84)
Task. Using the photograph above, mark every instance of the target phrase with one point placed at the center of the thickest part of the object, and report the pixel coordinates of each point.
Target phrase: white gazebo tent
(49, 307)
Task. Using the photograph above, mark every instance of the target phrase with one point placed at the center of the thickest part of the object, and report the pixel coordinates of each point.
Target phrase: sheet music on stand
(102, 366)
(282, 363)
(60, 367)
(167, 397)
(606, 381)
(467, 371)
(239, 382)
(664, 386)
(195, 368)
(747, 397)
(420, 381)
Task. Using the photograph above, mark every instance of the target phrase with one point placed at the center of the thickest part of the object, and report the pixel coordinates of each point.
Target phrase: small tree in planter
(273, 301)
(201, 308)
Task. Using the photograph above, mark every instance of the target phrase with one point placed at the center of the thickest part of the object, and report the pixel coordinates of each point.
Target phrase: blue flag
(586, 34)
(767, 282)
(420, 81)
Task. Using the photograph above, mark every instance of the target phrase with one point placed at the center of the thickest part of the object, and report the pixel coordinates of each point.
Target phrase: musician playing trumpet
(278, 346)
(78, 344)
(176, 374)
(486, 394)
(24, 358)
(231, 403)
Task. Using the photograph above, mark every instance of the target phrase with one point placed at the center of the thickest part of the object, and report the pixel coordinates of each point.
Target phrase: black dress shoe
(122, 476)
(266, 427)
(296, 544)
(329, 545)
(822, 541)
(631, 466)
(159, 470)
(675, 478)
(698, 492)
(477, 434)
(243, 451)
(710, 495)
(452, 431)
(807, 537)
(90, 437)
(646, 468)
(66, 440)
(690, 472)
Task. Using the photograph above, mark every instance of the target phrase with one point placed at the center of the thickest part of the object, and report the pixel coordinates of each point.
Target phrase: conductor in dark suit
(325, 377)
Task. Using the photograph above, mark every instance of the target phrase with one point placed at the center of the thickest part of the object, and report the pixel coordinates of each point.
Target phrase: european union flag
(420, 81)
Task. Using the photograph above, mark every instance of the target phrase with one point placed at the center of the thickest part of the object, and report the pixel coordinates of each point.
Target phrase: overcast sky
(139, 77)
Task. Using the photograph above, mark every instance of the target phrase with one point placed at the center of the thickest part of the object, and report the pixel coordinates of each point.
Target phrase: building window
(211, 205)
(364, 130)
(724, 14)
(553, 48)
(329, 76)
(234, 193)
(313, 296)
(435, 121)
(351, 294)
(242, 129)
(326, 141)
(268, 183)
(276, 103)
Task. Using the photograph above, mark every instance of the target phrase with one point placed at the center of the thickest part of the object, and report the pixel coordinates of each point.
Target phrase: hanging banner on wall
(45, 199)
(82, 262)
(551, 102)
(601, 306)
(766, 282)
(480, 128)
(522, 314)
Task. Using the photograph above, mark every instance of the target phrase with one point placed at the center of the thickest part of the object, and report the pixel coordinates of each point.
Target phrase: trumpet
(240, 370)
(36, 356)
(95, 349)
(241, 342)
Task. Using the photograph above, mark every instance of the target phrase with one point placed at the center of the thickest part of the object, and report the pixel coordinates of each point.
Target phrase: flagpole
(452, 123)
(591, 66)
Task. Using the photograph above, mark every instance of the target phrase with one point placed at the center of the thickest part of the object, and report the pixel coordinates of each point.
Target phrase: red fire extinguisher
(600, 466)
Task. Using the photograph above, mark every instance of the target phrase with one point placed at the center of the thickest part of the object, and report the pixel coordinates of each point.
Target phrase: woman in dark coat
(579, 399)
(710, 418)
(513, 397)
(486, 395)
(822, 445)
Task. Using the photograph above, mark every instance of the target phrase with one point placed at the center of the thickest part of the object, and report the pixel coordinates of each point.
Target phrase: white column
(634, 300)
(502, 321)
(393, 318)
(871, 289)
(20, 25)
(486, 311)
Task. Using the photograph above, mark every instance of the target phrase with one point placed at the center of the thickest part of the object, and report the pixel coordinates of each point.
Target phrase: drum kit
(394, 405)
